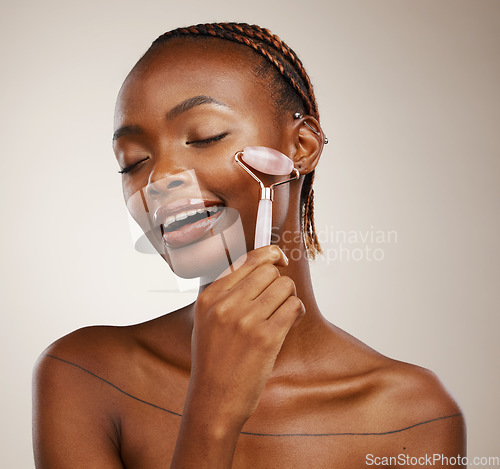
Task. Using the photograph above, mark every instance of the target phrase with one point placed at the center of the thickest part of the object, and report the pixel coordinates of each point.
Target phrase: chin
(206, 258)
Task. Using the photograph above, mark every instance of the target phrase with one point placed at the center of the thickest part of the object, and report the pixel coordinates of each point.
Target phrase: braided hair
(292, 91)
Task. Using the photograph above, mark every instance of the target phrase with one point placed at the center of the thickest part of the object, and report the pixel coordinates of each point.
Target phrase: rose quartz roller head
(267, 161)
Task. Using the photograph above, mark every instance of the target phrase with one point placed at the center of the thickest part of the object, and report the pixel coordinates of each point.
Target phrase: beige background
(409, 96)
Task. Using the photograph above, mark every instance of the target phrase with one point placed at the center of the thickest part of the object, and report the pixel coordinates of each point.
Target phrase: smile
(189, 226)
(173, 222)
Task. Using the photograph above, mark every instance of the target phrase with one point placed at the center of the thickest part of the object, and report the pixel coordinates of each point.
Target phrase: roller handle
(264, 221)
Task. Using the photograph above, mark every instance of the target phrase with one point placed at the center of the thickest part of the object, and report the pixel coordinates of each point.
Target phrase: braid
(246, 34)
(290, 69)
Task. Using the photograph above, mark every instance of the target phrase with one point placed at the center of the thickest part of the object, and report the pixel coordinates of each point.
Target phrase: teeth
(189, 213)
(169, 221)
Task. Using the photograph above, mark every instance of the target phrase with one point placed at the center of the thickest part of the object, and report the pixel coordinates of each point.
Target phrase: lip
(191, 232)
(182, 205)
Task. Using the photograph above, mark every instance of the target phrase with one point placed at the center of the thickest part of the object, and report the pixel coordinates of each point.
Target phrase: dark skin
(253, 355)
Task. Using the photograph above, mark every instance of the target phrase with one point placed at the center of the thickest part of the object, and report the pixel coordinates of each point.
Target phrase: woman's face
(181, 115)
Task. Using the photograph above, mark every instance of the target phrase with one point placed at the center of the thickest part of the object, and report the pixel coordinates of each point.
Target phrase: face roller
(268, 161)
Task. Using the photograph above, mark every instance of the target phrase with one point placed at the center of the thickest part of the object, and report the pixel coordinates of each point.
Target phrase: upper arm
(443, 437)
(431, 429)
(440, 443)
(73, 424)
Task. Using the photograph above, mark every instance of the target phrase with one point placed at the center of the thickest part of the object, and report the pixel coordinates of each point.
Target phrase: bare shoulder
(94, 379)
(109, 347)
(89, 348)
(395, 393)
(417, 412)
(413, 393)
(73, 368)
(88, 340)
(68, 399)
(116, 357)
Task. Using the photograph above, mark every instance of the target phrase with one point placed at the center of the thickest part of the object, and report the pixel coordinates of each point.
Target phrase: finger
(272, 298)
(254, 284)
(285, 316)
(265, 255)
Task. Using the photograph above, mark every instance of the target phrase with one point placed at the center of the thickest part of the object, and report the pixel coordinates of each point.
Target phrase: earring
(298, 115)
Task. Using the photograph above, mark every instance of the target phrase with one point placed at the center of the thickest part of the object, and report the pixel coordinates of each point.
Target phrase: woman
(250, 374)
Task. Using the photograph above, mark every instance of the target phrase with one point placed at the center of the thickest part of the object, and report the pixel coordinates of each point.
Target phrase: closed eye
(132, 166)
(207, 141)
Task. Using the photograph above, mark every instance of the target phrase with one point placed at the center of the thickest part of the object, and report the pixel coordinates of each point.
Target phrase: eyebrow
(191, 103)
(186, 105)
(127, 130)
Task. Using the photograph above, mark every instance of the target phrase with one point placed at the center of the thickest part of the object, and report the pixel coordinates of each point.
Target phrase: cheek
(133, 194)
(142, 212)
(237, 189)
(226, 179)
(243, 193)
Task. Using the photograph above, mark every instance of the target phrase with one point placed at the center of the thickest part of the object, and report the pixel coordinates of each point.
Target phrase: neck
(305, 335)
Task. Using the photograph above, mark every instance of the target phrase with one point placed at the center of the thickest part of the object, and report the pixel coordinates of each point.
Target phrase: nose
(165, 184)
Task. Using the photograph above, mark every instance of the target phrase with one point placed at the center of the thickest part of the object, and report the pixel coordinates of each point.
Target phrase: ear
(308, 142)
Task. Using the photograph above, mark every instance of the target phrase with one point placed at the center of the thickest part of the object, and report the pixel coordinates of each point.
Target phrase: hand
(240, 323)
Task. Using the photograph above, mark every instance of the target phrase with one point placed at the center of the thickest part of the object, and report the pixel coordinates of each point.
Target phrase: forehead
(200, 47)
(186, 67)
